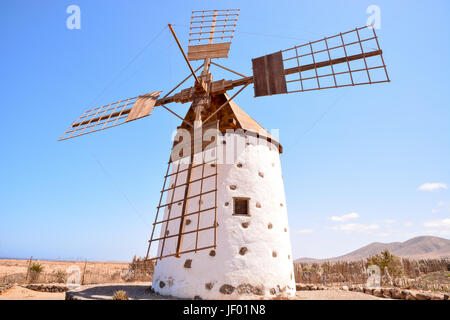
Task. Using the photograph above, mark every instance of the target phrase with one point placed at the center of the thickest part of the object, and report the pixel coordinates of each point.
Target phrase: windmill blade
(112, 115)
(346, 59)
(211, 33)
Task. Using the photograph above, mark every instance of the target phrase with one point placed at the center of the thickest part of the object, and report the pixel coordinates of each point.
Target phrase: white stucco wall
(266, 268)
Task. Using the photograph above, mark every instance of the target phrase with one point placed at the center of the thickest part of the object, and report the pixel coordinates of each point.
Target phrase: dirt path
(139, 291)
(334, 294)
(19, 293)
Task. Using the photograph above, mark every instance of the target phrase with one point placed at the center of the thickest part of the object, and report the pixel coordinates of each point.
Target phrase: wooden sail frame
(211, 33)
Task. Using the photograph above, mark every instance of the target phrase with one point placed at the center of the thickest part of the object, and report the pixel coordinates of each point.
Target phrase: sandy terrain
(334, 294)
(19, 293)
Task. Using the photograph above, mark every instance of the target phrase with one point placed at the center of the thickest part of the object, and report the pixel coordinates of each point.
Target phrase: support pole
(28, 269)
(184, 54)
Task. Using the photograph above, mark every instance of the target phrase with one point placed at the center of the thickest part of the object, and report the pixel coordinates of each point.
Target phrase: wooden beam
(241, 82)
(184, 54)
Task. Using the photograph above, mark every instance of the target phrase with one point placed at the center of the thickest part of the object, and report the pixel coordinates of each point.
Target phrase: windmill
(221, 226)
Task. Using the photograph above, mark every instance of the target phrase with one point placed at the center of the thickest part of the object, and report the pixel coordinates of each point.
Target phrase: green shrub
(36, 267)
(35, 270)
(387, 259)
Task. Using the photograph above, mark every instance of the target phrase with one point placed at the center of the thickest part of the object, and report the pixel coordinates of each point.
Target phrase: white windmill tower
(221, 226)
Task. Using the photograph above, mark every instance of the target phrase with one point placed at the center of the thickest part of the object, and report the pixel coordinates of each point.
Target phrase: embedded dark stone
(188, 222)
(226, 289)
(239, 165)
(179, 203)
(258, 205)
(259, 290)
(270, 226)
(188, 263)
(273, 291)
(274, 254)
(243, 251)
(198, 298)
(209, 285)
(285, 229)
(289, 256)
(224, 142)
(233, 187)
(227, 204)
(245, 225)
(281, 205)
(213, 165)
(162, 284)
(246, 288)
(212, 253)
(248, 143)
(261, 174)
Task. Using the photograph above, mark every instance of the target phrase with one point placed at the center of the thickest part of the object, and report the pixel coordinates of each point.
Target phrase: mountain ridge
(422, 247)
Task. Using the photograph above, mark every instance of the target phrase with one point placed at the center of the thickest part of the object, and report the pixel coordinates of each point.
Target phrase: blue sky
(354, 158)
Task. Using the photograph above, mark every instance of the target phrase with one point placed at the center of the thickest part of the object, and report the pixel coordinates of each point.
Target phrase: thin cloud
(443, 223)
(305, 231)
(355, 227)
(408, 224)
(345, 217)
(432, 186)
(389, 221)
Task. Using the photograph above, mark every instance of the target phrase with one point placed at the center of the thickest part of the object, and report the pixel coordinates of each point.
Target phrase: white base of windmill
(253, 256)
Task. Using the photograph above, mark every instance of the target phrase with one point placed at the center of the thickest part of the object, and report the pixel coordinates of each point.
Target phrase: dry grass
(15, 271)
(428, 274)
(120, 295)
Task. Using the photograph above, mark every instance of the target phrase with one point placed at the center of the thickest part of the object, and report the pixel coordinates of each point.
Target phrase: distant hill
(425, 247)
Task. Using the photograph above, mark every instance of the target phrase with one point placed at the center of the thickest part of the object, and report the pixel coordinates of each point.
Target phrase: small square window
(241, 206)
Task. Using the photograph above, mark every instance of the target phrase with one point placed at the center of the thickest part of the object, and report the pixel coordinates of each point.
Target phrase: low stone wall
(397, 293)
(46, 287)
(308, 287)
(5, 287)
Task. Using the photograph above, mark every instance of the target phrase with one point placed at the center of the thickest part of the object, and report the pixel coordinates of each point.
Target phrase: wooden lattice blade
(211, 33)
(346, 59)
(112, 115)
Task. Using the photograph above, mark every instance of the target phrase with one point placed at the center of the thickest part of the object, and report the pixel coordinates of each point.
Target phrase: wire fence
(426, 274)
(89, 273)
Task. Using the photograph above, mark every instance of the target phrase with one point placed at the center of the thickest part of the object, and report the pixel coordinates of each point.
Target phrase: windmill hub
(221, 227)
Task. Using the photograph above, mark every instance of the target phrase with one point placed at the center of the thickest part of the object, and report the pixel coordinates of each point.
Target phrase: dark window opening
(241, 206)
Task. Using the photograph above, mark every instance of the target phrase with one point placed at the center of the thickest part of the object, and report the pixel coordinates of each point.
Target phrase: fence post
(28, 269)
(84, 272)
